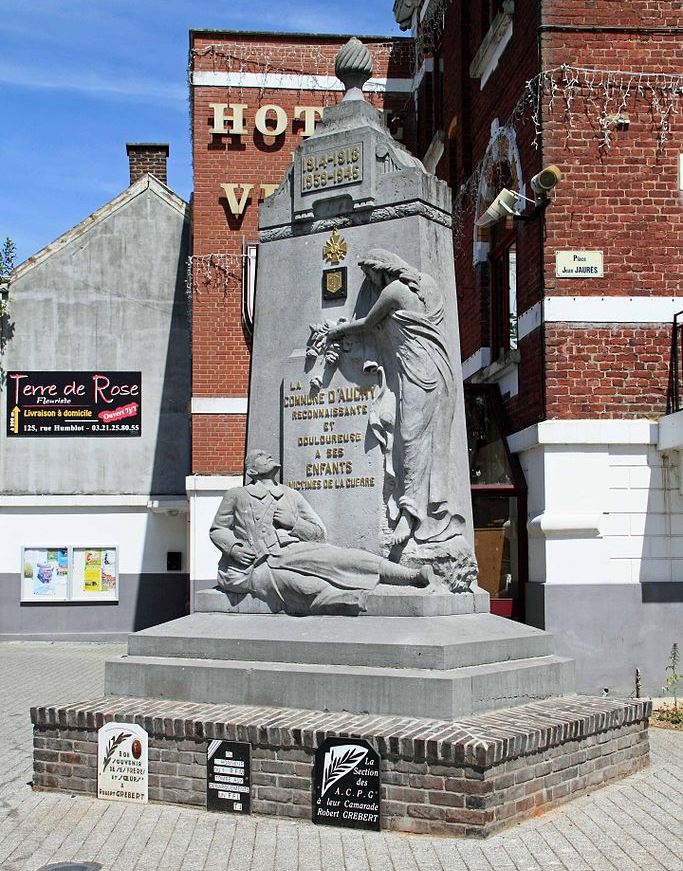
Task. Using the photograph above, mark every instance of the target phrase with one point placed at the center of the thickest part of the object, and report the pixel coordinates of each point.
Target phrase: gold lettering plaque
(331, 169)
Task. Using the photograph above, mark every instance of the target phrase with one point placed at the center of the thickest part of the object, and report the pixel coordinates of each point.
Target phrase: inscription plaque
(228, 777)
(122, 762)
(332, 168)
(346, 784)
(329, 455)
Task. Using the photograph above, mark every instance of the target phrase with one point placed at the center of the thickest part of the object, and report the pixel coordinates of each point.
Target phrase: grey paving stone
(633, 823)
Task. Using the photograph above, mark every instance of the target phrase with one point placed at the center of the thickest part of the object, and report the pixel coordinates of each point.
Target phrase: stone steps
(382, 642)
(444, 693)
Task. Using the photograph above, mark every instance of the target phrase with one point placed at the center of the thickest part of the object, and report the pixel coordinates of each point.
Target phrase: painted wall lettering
(229, 119)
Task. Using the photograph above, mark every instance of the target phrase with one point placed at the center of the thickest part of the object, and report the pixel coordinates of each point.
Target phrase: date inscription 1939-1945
(332, 168)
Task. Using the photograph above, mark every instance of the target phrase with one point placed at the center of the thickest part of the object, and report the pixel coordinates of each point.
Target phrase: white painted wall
(142, 537)
(205, 493)
(605, 504)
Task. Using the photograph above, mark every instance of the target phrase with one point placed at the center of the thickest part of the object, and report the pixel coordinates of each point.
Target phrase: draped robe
(414, 414)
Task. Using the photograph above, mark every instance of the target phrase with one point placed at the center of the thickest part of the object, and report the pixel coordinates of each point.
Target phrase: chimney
(147, 157)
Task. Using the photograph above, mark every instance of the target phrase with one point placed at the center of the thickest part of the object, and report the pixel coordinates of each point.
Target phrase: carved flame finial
(353, 66)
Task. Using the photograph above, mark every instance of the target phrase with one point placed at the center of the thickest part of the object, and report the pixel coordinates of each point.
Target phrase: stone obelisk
(356, 378)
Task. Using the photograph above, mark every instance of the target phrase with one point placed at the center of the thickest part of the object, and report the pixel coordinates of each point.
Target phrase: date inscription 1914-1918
(333, 168)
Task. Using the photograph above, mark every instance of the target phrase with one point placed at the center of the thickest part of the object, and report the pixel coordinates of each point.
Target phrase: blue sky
(80, 78)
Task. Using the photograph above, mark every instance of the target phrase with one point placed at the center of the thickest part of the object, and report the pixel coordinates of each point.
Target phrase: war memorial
(346, 669)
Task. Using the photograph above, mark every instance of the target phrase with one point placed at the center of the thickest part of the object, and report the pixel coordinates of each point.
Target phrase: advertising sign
(228, 778)
(346, 784)
(74, 404)
(122, 766)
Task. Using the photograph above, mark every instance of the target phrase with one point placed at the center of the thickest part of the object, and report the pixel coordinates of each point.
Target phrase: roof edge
(146, 182)
(386, 37)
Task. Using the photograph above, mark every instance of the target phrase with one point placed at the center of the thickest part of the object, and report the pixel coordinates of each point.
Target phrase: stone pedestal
(447, 667)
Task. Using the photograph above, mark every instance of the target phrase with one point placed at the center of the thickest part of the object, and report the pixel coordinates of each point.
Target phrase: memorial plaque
(346, 784)
(228, 777)
(332, 168)
(122, 766)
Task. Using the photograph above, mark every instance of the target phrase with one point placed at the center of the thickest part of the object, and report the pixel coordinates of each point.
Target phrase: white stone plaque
(579, 264)
(122, 763)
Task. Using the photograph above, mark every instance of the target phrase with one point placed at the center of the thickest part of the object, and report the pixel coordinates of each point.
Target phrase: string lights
(604, 97)
(213, 271)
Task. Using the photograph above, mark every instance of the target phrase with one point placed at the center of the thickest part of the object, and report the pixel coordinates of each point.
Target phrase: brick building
(565, 304)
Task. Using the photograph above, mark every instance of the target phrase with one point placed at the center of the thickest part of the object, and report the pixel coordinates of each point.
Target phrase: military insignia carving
(335, 249)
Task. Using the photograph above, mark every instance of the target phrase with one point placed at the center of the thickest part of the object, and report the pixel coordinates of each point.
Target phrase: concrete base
(470, 777)
(443, 667)
(385, 601)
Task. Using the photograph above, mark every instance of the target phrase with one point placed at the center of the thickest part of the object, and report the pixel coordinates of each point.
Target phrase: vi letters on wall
(270, 120)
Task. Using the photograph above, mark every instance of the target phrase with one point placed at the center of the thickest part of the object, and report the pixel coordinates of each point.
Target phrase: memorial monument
(340, 669)
(350, 584)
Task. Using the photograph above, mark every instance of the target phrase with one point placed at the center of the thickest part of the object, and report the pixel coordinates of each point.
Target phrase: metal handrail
(674, 401)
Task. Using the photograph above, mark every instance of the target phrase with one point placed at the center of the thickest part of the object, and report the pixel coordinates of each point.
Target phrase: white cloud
(113, 87)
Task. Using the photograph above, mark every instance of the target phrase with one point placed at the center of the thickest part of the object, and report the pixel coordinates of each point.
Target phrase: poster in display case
(44, 574)
(69, 574)
(94, 574)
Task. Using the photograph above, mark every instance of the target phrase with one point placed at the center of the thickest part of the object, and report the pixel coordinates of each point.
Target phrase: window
(438, 93)
(503, 290)
(249, 258)
(498, 502)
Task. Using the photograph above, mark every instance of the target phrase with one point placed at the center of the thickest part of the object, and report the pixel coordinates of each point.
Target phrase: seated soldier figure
(273, 546)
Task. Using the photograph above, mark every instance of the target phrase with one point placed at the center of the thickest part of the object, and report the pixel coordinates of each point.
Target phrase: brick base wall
(471, 777)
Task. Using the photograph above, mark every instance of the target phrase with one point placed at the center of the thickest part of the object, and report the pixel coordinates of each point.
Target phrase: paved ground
(634, 824)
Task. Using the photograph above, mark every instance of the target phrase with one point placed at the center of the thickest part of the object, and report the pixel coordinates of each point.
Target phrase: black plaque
(74, 404)
(334, 284)
(228, 777)
(346, 784)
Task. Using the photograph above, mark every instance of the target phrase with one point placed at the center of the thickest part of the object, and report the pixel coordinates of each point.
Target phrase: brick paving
(636, 823)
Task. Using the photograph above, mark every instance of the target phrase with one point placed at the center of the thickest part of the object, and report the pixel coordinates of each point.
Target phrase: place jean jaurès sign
(58, 404)
(579, 264)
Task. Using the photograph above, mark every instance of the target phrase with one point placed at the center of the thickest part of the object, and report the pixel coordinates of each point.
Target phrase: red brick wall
(221, 352)
(616, 371)
(218, 443)
(468, 112)
(623, 200)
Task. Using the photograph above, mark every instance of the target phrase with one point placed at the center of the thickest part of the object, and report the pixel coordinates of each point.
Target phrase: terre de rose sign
(74, 404)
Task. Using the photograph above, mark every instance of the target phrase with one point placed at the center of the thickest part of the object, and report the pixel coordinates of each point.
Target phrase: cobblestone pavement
(636, 823)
